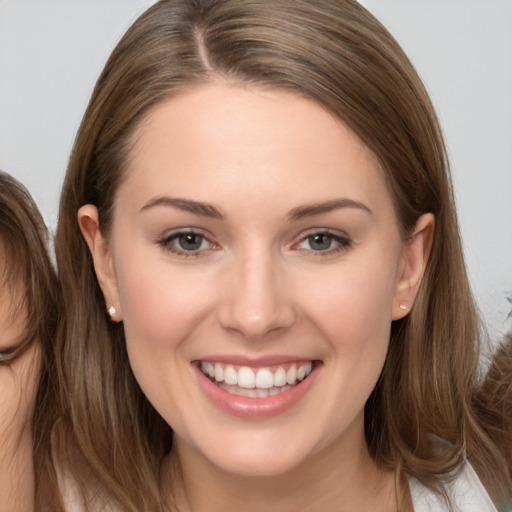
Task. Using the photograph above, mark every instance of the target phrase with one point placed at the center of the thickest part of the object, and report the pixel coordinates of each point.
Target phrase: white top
(466, 492)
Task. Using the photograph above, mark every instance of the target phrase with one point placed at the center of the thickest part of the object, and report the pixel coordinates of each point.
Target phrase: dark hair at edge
(338, 55)
(26, 264)
(494, 401)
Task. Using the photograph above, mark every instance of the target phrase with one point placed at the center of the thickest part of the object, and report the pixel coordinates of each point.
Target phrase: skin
(18, 383)
(258, 287)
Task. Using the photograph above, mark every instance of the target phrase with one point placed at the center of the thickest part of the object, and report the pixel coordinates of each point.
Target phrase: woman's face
(256, 262)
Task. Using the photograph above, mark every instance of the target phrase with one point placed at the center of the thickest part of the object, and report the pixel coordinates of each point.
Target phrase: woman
(28, 319)
(266, 301)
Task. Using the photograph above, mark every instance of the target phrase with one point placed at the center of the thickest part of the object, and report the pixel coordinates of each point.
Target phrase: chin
(258, 456)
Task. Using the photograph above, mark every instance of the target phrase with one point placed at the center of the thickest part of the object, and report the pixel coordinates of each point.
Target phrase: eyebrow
(325, 207)
(208, 210)
(187, 205)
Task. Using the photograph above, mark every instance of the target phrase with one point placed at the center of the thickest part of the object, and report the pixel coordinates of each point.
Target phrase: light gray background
(52, 51)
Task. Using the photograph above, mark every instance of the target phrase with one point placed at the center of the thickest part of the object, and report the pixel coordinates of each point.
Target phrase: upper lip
(254, 362)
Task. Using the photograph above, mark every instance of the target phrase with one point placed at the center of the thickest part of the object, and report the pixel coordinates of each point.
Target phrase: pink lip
(254, 362)
(255, 408)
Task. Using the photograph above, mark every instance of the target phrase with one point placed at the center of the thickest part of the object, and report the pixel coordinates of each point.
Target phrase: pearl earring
(403, 306)
(111, 312)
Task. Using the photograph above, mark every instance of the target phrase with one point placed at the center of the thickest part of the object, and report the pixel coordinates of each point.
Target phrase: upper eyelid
(323, 231)
(184, 231)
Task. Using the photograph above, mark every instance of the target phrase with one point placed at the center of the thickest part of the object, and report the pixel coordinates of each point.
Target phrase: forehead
(246, 140)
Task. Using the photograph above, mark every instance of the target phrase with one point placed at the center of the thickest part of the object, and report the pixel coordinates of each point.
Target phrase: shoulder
(466, 493)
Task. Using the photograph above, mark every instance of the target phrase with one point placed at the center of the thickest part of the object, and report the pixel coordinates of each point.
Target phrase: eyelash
(168, 244)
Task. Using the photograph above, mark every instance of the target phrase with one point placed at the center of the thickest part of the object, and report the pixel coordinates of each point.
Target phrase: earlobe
(415, 255)
(100, 251)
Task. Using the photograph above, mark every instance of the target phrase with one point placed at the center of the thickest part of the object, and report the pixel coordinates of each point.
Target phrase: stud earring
(402, 306)
(111, 312)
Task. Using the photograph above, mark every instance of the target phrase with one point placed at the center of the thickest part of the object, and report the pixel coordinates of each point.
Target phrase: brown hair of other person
(26, 263)
(494, 399)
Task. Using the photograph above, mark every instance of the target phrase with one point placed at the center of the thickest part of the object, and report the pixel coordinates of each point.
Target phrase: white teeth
(253, 393)
(246, 378)
(264, 379)
(230, 375)
(291, 375)
(280, 377)
(304, 371)
(219, 372)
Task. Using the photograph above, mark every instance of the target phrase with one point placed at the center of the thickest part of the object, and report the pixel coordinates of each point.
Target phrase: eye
(190, 241)
(186, 243)
(320, 242)
(324, 242)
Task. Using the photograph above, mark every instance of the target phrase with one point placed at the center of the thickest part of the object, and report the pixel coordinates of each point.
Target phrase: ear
(102, 258)
(415, 254)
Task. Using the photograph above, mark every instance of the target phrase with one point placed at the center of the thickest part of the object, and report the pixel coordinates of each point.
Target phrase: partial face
(256, 262)
(18, 384)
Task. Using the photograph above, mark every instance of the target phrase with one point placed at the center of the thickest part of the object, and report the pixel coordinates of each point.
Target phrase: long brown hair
(339, 55)
(25, 263)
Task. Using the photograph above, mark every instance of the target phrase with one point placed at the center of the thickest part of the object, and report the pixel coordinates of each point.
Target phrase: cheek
(353, 313)
(158, 305)
(161, 305)
(353, 305)
(160, 308)
(9, 402)
(18, 385)
(356, 323)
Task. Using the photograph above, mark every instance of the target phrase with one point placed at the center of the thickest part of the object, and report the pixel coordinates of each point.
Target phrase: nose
(257, 301)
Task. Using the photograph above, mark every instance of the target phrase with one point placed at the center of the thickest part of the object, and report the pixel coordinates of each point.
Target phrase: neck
(340, 478)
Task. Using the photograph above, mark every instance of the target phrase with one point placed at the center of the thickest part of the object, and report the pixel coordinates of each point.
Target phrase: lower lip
(256, 408)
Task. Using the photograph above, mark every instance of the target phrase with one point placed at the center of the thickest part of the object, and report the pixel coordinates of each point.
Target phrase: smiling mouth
(256, 382)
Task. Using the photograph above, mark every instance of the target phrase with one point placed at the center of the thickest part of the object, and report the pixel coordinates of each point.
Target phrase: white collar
(466, 493)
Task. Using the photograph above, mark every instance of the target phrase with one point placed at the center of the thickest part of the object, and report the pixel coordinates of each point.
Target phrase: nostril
(253, 324)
